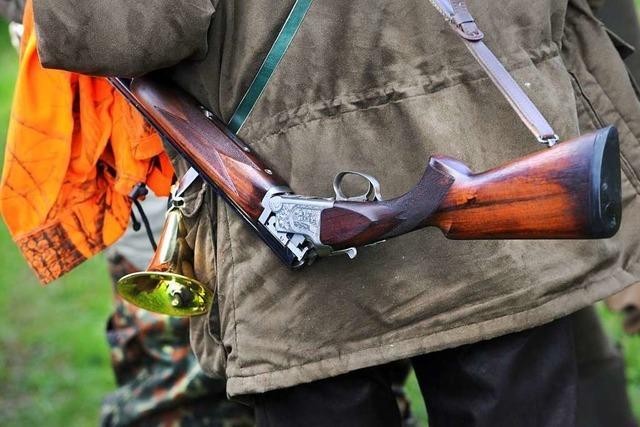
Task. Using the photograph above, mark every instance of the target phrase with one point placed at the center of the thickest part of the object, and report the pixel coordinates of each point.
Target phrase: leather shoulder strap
(458, 16)
(273, 58)
(260, 81)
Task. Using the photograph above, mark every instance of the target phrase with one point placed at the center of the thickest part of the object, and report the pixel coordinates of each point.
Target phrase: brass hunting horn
(167, 286)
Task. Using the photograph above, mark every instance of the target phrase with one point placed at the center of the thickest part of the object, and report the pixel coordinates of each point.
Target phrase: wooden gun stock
(570, 191)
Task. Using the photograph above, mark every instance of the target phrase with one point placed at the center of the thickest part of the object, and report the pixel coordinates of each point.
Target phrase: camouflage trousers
(159, 380)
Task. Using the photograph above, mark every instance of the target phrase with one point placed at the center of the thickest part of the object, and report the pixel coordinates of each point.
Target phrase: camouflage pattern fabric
(159, 380)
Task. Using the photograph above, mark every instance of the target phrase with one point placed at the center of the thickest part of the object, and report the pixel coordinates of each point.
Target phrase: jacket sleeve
(11, 10)
(596, 4)
(122, 38)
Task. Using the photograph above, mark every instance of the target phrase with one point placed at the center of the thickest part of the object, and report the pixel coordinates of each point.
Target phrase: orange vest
(75, 150)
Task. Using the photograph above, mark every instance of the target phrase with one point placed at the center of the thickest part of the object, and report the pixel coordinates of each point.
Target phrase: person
(621, 18)
(602, 400)
(158, 377)
(11, 10)
(377, 86)
(160, 382)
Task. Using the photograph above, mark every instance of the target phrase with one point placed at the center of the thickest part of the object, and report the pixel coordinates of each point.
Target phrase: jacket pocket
(623, 47)
(590, 119)
(603, 91)
(200, 219)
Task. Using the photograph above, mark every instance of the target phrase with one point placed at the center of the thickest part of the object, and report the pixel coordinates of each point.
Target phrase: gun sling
(465, 26)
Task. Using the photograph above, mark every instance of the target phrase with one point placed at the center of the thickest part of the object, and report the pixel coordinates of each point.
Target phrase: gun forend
(571, 191)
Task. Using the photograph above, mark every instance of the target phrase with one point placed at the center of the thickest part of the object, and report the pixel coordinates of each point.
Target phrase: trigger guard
(372, 194)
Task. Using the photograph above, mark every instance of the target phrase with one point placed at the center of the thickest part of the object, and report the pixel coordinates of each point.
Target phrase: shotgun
(569, 191)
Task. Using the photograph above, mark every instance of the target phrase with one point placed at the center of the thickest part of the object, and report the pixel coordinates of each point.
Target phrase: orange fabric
(75, 150)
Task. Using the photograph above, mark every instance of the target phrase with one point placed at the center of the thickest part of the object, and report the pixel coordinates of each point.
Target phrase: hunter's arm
(11, 10)
(120, 37)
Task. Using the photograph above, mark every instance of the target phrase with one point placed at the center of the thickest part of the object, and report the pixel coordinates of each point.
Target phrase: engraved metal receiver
(296, 220)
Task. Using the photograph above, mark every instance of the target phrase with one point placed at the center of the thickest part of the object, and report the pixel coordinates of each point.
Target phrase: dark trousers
(522, 379)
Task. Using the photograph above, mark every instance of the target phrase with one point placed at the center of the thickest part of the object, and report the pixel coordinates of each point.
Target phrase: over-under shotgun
(569, 191)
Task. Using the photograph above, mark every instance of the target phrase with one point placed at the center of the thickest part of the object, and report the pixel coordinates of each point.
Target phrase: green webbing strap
(275, 55)
(260, 81)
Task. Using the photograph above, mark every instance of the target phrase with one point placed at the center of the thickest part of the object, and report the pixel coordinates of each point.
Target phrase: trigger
(371, 195)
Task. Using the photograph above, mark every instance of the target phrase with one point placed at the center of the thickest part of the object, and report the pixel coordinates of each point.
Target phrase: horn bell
(168, 285)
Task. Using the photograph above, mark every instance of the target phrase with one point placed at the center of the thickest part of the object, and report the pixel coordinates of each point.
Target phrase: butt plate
(606, 185)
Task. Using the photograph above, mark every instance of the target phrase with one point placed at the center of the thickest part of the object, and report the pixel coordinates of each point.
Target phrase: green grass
(630, 345)
(54, 367)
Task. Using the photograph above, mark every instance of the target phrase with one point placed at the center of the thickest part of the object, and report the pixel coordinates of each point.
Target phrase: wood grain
(207, 144)
(571, 191)
(352, 224)
(566, 192)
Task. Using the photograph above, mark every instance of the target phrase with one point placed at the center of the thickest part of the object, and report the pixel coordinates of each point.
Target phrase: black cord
(134, 222)
(147, 226)
(138, 191)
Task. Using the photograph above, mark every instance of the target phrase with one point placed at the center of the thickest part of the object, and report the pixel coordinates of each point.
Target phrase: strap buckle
(468, 30)
(465, 25)
(548, 141)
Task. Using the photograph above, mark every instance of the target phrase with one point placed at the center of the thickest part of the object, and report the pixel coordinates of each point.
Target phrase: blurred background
(54, 360)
